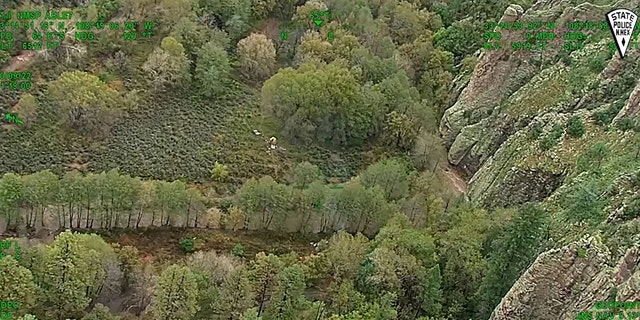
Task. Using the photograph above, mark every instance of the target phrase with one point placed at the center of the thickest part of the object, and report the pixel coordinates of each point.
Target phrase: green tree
(314, 48)
(100, 312)
(263, 8)
(436, 80)
(173, 199)
(69, 197)
(284, 9)
(359, 208)
(309, 204)
(597, 153)
(27, 109)
(585, 204)
(19, 287)
(353, 14)
(374, 68)
(265, 199)
(175, 296)
(72, 273)
(132, 188)
(172, 11)
(251, 314)
(343, 255)
(191, 33)
(212, 70)
(39, 191)
(406, 21)
(263, 273)
(461, 258)
(147, 200)
(344, 298)
(302, 18)
(105, 275)
(381, 308)
(4, 57)
(510, 255)
(235, 296)
(10, 194)
(288, 299)
(257, 57)
(406, 114)
(212, 271)
(391, 175)
(575, 126)
(404, 262)
(336, 116)
(85, 103)
(234, 15)
(34, 258)
(401, 130)
(484, 10)
(303, 174)
(429, 151)
(416, 56)
(168, 64)
(460, 38)
(88, 198)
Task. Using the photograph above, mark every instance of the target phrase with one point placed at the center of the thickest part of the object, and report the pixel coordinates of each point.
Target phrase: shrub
(238, 250)
(4, 57)
(575, 127)
(602, 118)
(598, 62)
(219, 172)
(627, 123)
(536, 131)
(583, 164)
(632, 210)
(188, 244)
(547, 143)
(552, 138)
(565, 57)
(635, 180)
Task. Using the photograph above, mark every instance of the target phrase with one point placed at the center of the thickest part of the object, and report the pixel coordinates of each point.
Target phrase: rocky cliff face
(512, 93)
(508, 131)
(564, 282)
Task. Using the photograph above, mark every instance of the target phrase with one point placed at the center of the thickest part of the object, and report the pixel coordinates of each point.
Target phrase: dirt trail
(21, 61)
(457, 182)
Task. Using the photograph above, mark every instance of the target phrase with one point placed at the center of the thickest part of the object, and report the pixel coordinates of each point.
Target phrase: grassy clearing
(163, 243)
(176, 138)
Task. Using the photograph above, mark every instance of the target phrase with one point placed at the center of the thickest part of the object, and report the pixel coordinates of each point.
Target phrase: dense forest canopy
(165, 127)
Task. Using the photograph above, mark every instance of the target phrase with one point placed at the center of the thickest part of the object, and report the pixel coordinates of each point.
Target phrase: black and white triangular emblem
(622, 22)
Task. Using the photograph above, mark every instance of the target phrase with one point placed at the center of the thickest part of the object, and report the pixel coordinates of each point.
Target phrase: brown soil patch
(459, 185)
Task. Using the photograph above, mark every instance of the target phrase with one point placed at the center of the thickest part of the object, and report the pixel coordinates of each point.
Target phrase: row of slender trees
(113, 200)
(104, 200)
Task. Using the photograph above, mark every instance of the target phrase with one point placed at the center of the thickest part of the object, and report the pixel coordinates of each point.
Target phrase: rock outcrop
(564, 282)
(487, 128)
(552, 285)
(508, 131)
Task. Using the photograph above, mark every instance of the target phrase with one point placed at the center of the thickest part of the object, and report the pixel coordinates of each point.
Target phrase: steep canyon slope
(512, 131)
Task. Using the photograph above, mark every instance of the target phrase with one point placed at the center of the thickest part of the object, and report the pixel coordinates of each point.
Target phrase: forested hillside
(417, 172)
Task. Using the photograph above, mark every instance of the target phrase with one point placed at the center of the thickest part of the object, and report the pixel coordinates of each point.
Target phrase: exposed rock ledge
(563, 282)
